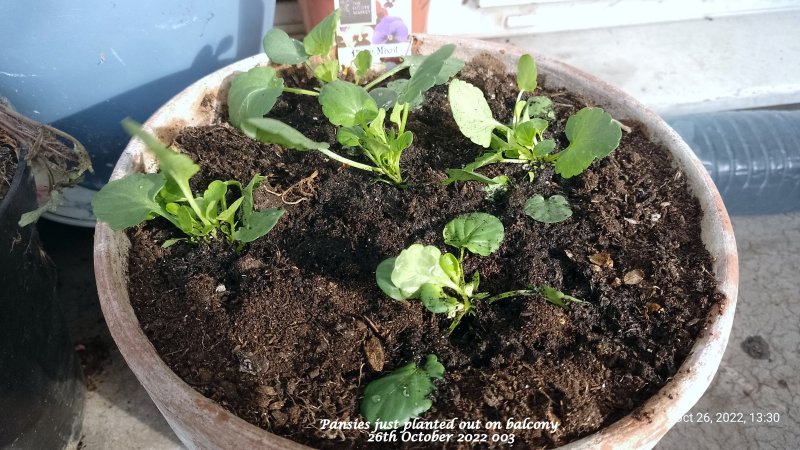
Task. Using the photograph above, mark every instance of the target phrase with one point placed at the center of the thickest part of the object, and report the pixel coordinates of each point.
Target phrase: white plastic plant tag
(381, 26)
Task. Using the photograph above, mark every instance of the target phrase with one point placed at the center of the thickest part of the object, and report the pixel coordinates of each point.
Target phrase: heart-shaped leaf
(592, 134)
(478, 232)
(548, 210)
(402, 395)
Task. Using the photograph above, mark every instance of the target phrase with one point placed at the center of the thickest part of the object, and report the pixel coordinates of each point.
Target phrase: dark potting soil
(291, 330)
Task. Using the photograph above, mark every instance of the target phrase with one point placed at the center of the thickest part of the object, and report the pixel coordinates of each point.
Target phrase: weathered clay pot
(201, 423)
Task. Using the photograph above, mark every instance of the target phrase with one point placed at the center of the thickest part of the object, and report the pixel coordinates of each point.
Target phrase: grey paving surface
(118, 412)
(759, 372)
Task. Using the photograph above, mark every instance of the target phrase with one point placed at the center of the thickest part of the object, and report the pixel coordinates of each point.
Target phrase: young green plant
(361, 120)
(592, 132)
(394, 399)
(439, 281)
(360, 111)
(127, 202)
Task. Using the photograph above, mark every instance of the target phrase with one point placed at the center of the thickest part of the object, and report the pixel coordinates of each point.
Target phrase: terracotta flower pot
(201, 423)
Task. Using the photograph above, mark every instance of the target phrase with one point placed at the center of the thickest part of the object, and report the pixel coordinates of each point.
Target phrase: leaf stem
(386, 75)
(348, 162)
(301, 91)
(521, 292)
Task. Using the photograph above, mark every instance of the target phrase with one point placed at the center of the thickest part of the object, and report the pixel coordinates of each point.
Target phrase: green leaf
(253, 94)
(184, 219)
(592, 133)
(471, 112)
(383, 276)
(176, 168)
(452, 267)
(559, 298)
(128, 201)
(436, 300)
(171, 242)
(385, 98)
(450, 67)
(212, 198)
(282, 49)
(418, 265)
(398, 87)
(375, 128)
(350, 136)
(247, 196)
(258, 224)
(548, 210)
(544, 148)
(526, 132)
(327, 71)
(228, 214)
(276, 132)
(55, 200)
(346, 104)
(403, 141)
(425, 76)
(484, 160)
(322, 37)
(478, 232)
(363, 62)
(526, 73)
(402, 395)
(541, 107)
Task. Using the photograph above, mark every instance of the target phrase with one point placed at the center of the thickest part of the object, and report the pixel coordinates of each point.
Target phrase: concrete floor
(753, 378)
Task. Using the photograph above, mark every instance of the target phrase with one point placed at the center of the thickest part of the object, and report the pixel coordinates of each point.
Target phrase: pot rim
(181, 404)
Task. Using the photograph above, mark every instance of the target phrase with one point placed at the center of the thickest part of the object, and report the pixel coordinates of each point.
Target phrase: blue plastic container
(752, 156)
(85, 65)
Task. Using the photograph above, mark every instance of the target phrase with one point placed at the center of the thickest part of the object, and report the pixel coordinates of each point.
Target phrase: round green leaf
(383, 276)
(402, 395)
(282, 49)
(548, 210)
(479, 233)
(418, 265)
(253, 94)
(128, 201)
(343, 103)
(592, 133)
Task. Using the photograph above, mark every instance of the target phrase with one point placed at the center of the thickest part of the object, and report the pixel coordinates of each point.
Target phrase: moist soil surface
(290, 330)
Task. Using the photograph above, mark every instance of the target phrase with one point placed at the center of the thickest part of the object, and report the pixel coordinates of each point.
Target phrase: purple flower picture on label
(390, 30)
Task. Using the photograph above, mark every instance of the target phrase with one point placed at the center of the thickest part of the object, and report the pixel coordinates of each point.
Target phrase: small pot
(201, 423)
(41, 383)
